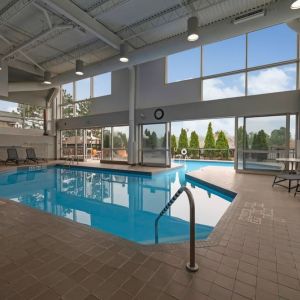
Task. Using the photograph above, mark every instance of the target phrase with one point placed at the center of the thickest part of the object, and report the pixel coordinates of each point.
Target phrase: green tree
(260, 142)
(83, 108)
(194, 145)
(120, 140)
(32, 115)
(209, 142)
(222, 145)
(173, 144)
(183, 139)
(150, 139)
(278, 138)
(67, 109)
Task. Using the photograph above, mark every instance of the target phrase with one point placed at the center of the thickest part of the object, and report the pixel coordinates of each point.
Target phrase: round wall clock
(159, 114)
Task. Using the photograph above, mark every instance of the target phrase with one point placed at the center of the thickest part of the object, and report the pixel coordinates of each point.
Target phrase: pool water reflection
(123, 204)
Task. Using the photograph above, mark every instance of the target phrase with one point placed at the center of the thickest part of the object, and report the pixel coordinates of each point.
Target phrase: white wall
(118, 100)
(154, 92)
(44, 145)
(180, 101)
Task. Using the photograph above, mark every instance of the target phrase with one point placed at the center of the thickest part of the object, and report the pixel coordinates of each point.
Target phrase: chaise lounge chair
(31, 156)
(287, 177)
(12, 156)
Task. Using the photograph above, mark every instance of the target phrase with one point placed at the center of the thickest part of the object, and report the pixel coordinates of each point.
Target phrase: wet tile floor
(255, 253)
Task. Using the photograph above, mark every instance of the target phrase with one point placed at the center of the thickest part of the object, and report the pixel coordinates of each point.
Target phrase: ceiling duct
(249, 16)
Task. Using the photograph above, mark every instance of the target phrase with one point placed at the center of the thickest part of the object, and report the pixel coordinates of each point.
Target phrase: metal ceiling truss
(12, 9)
(103, 6)
(74, 53)
(184, 9)
(36, 41)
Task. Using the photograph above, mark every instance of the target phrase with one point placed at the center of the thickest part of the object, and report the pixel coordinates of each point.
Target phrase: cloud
(271, 80)
(226, 87)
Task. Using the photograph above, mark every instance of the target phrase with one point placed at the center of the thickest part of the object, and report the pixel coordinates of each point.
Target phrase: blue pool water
(120, 203)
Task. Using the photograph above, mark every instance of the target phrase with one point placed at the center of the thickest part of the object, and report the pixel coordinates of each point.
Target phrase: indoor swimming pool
(123, 204)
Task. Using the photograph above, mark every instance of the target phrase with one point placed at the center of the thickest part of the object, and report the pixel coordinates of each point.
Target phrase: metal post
(191, 265)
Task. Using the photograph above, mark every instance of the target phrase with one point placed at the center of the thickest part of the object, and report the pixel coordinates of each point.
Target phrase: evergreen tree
(222, 145)
(150, 139)
(173, 145)
(183, 139)
(68, 110)
(243, 139)
(209, 142)
(278, 138)
(260, 142)
(194, 145)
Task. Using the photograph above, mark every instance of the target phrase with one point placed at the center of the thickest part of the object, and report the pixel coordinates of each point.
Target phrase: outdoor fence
(204, 153)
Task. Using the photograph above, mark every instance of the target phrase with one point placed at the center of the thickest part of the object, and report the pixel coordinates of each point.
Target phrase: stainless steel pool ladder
(191, 265)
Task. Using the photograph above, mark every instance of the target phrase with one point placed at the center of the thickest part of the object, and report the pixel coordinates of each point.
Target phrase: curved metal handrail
(191, 265)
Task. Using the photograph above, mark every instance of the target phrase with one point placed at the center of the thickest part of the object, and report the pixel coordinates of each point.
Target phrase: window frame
(245, 70)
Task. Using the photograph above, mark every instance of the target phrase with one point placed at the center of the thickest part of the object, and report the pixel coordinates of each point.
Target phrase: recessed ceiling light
(295, 4)
(192, 29)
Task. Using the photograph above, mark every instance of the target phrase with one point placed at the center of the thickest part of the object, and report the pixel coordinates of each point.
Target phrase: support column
(45, 120)
(132, 143)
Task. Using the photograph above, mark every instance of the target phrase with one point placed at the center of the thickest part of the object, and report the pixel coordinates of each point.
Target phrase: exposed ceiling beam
(83, 19)
(104, 6)
(74, 53)
(278, 12)
(17, 64)
(12, 9)
(25, 55)
(37, 39)
(46, 14)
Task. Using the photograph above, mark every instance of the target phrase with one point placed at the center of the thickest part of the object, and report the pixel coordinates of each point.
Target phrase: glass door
(155, 145)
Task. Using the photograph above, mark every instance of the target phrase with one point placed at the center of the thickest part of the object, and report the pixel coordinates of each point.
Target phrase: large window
(224, 56)
(224, 87)
(76, 96)
(264, 61)
(115, 143)
(271, 45)
(102, 85)
(20, 115)
(261, 140)
(272, 80)
(183, 65)
(83, 89)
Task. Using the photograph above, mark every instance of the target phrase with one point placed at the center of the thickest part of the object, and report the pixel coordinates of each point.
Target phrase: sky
(270, 45)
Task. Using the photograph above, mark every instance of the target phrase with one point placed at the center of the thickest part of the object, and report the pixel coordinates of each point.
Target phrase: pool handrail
(191, 265)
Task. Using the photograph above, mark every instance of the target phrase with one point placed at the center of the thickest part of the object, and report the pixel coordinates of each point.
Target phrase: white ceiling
(139, 22)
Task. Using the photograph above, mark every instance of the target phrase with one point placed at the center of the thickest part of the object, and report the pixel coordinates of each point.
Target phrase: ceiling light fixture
(124, 53)
(79, 67)
(47, 77)
(249, 16)
(192, 29)
(295, 4)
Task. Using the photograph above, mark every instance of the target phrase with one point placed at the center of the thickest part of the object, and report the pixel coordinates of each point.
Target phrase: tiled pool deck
(254, 253)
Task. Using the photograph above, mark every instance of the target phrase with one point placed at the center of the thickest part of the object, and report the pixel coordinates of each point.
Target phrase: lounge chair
(287, 177)
(12, 156)
(31, 156)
